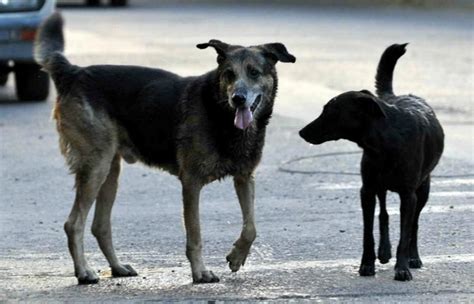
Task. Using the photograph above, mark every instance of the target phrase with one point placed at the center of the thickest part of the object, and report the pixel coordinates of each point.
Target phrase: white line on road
(440, 183)
(265, 264)
(293, 265)
(437, 209)
(453, 193)
(453, 181)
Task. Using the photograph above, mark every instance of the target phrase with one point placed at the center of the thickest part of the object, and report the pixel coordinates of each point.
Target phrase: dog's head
(345, 116)
(247, 77)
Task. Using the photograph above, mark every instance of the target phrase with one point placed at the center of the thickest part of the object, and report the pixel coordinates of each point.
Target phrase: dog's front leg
(367, 265)
(191, 191)
(245, 188)
(407, 212)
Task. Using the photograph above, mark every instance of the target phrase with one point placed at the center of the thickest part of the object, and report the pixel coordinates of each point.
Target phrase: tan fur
(89, 140)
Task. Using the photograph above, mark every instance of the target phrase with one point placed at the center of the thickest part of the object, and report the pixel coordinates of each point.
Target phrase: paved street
(309, 225)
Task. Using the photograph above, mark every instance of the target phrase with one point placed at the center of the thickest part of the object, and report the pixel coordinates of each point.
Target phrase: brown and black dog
(200, 129)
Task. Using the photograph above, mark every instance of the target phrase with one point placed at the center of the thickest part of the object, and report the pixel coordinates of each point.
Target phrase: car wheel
(3, 79)
(118, 2)
(4, 69)
(31, 82)
(93, 2)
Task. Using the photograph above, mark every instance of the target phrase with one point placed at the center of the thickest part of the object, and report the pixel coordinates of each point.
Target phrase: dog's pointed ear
(277, 52)
(220, 47)
(371, 104)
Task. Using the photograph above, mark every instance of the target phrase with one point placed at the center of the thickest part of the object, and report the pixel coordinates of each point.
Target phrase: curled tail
(49, 45)
(383, 79)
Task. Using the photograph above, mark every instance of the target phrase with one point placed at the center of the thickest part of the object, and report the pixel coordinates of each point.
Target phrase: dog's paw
(205, 277)
(87, 277)
(237, 257)
(415, 263)
(367, 270)
(384, 254)
(403, 275)
(123, 271)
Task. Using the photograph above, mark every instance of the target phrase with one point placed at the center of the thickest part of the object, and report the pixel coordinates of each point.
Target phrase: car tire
(4, 69)
(93, 2)
(32, 84)
(3, 79)
(118, 2)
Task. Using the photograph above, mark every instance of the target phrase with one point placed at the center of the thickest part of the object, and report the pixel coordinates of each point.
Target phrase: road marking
(437, 209)
(453, 193)
(453, 181)
(294, 265)
(335, 186)
(441, 184)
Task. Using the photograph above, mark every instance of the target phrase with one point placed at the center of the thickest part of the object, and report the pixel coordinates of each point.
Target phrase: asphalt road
(309, 225)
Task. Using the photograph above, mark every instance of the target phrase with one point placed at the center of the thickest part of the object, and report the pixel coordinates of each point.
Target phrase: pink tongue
(243, 118)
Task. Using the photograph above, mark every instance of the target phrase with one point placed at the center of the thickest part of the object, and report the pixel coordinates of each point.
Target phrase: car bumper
(17, 32)
(17, 51)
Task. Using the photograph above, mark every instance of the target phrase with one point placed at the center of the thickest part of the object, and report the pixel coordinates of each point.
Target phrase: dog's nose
(238, 99)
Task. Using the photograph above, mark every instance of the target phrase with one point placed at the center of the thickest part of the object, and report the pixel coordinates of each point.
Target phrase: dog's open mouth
(244, 115)
(256, 103)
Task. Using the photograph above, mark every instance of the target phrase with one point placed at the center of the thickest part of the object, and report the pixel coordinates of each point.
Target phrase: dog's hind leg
(88, 182)
(422, 194)
(191, 191)
(407, 212)
(384, 252)
(245, 188)
(101, 226)
(367, 266)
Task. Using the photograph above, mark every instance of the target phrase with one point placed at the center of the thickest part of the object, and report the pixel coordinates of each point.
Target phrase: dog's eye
(254, 73)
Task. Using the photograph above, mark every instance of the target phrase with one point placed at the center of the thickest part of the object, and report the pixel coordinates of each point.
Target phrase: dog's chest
(219, 167)
(210, 158)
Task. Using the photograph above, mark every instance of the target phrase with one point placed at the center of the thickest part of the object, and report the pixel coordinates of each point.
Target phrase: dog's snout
(302, 134)
(312, 134)
(239, 99)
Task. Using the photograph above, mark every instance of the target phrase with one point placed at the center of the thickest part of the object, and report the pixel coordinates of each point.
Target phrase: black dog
(402, 142)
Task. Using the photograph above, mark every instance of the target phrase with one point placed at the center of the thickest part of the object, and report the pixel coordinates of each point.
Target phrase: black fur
(402, 142)
(145, 105)
(153, 104)
(384, 77)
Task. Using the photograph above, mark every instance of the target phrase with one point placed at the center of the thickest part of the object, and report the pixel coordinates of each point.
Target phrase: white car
(19, 20)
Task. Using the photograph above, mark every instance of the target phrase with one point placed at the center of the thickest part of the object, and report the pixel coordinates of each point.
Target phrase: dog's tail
(384, 76)
(49, 45)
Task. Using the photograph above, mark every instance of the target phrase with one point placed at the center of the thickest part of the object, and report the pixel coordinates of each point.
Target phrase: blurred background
(337, 43)
(304, 218)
